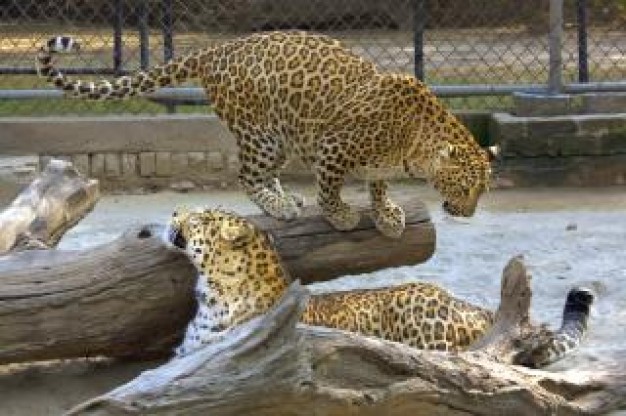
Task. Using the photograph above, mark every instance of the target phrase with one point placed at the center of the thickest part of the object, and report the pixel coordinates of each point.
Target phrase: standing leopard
(240, 276)
(297, 95)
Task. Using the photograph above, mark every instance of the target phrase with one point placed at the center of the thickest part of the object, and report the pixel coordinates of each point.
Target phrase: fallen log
(314, 251)
(273, 365)
(133, 297)
(52, 204)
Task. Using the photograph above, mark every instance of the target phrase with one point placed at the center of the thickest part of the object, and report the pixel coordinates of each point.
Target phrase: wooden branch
(502, 341)
(134, 297)
(52, 204)
(271, 366)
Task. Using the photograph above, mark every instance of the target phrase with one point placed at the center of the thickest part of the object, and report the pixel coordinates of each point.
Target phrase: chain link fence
(471, 43)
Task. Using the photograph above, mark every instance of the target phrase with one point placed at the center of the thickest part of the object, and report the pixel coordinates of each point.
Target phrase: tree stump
(52, 204)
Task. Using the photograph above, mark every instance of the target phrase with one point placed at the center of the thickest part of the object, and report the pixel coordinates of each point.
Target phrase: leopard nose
(448, 208)
(178, 240)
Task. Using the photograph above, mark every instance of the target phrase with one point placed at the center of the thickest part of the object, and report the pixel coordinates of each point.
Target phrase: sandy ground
(568, 237)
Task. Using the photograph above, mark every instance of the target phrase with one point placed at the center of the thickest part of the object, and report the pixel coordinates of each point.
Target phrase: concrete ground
(568, 237)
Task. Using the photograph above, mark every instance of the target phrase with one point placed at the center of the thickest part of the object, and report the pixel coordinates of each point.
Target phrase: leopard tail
(137, 84)
(560, 343)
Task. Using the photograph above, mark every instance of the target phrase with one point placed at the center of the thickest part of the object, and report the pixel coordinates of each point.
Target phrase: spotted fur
(241, 276)
(296, 95)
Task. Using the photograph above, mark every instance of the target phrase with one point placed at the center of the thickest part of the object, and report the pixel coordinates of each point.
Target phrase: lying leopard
(296, 95)
(241, 276)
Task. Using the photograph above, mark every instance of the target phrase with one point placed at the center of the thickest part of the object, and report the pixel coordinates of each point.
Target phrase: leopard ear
(446, 151)
(236, 234)
(493, 152)
(449, 151)
(180, 211)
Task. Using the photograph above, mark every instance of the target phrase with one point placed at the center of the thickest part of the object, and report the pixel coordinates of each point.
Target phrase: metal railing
(474, 52)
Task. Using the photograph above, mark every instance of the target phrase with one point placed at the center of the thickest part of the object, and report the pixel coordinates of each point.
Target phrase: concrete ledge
(136, 134)
(184, 151)
(606, 102)
(572, 135)
(562, 171)
(572, 150)
(103, 134)
(533, 104)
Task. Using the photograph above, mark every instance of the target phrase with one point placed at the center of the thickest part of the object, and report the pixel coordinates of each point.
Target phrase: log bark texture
(314, 251)
(274, 366)
(134, 297)
(52, 204)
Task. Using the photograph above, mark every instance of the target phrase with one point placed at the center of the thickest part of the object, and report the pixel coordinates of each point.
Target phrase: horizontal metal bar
(30, 94)
(484, 89)
(606, 86)
(175, 94)
(197, 95)
(67, 71)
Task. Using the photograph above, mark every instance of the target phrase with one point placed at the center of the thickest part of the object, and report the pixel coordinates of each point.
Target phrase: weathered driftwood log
(52, 204)
(272, 366)
(134, 297)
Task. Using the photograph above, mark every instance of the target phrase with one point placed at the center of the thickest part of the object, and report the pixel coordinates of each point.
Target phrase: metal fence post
(118, 21)
(419, 26)
(144, 35)
(168, 40)
(555, 81)
(168, 32)
(583, 54)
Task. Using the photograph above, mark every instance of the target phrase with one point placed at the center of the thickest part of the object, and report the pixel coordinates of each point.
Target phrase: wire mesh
(463, 42)
(605, 40)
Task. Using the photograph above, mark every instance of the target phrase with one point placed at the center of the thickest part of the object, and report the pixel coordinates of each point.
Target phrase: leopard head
(228, 249)
(440, 147)
(462, 174)
(207, 235)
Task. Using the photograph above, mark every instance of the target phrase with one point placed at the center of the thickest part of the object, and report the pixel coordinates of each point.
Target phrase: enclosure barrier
(481, 55)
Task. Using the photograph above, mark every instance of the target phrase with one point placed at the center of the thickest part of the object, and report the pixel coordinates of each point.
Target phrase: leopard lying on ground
(241, 276)
(296, 95)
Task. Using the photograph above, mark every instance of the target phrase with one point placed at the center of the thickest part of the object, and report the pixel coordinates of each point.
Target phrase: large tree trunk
(272, 366)
(52, 204)
(134, 297)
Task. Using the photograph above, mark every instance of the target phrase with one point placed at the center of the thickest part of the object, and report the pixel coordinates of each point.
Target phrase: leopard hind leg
(388, 216)
(330, 170)
(261, 159)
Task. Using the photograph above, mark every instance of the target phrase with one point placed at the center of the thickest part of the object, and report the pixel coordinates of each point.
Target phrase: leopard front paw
(344, 219)
(276, 205)
(389, 220)
(284, 208)
(296, 198)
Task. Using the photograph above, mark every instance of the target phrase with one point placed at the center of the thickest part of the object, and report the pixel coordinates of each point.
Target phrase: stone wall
(189, 151)
(178, 170)
(131, 152)
(575, 150)
(182, 151)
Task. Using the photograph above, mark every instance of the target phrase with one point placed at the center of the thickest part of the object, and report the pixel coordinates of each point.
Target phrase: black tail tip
(62, 44)
(581, 296)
